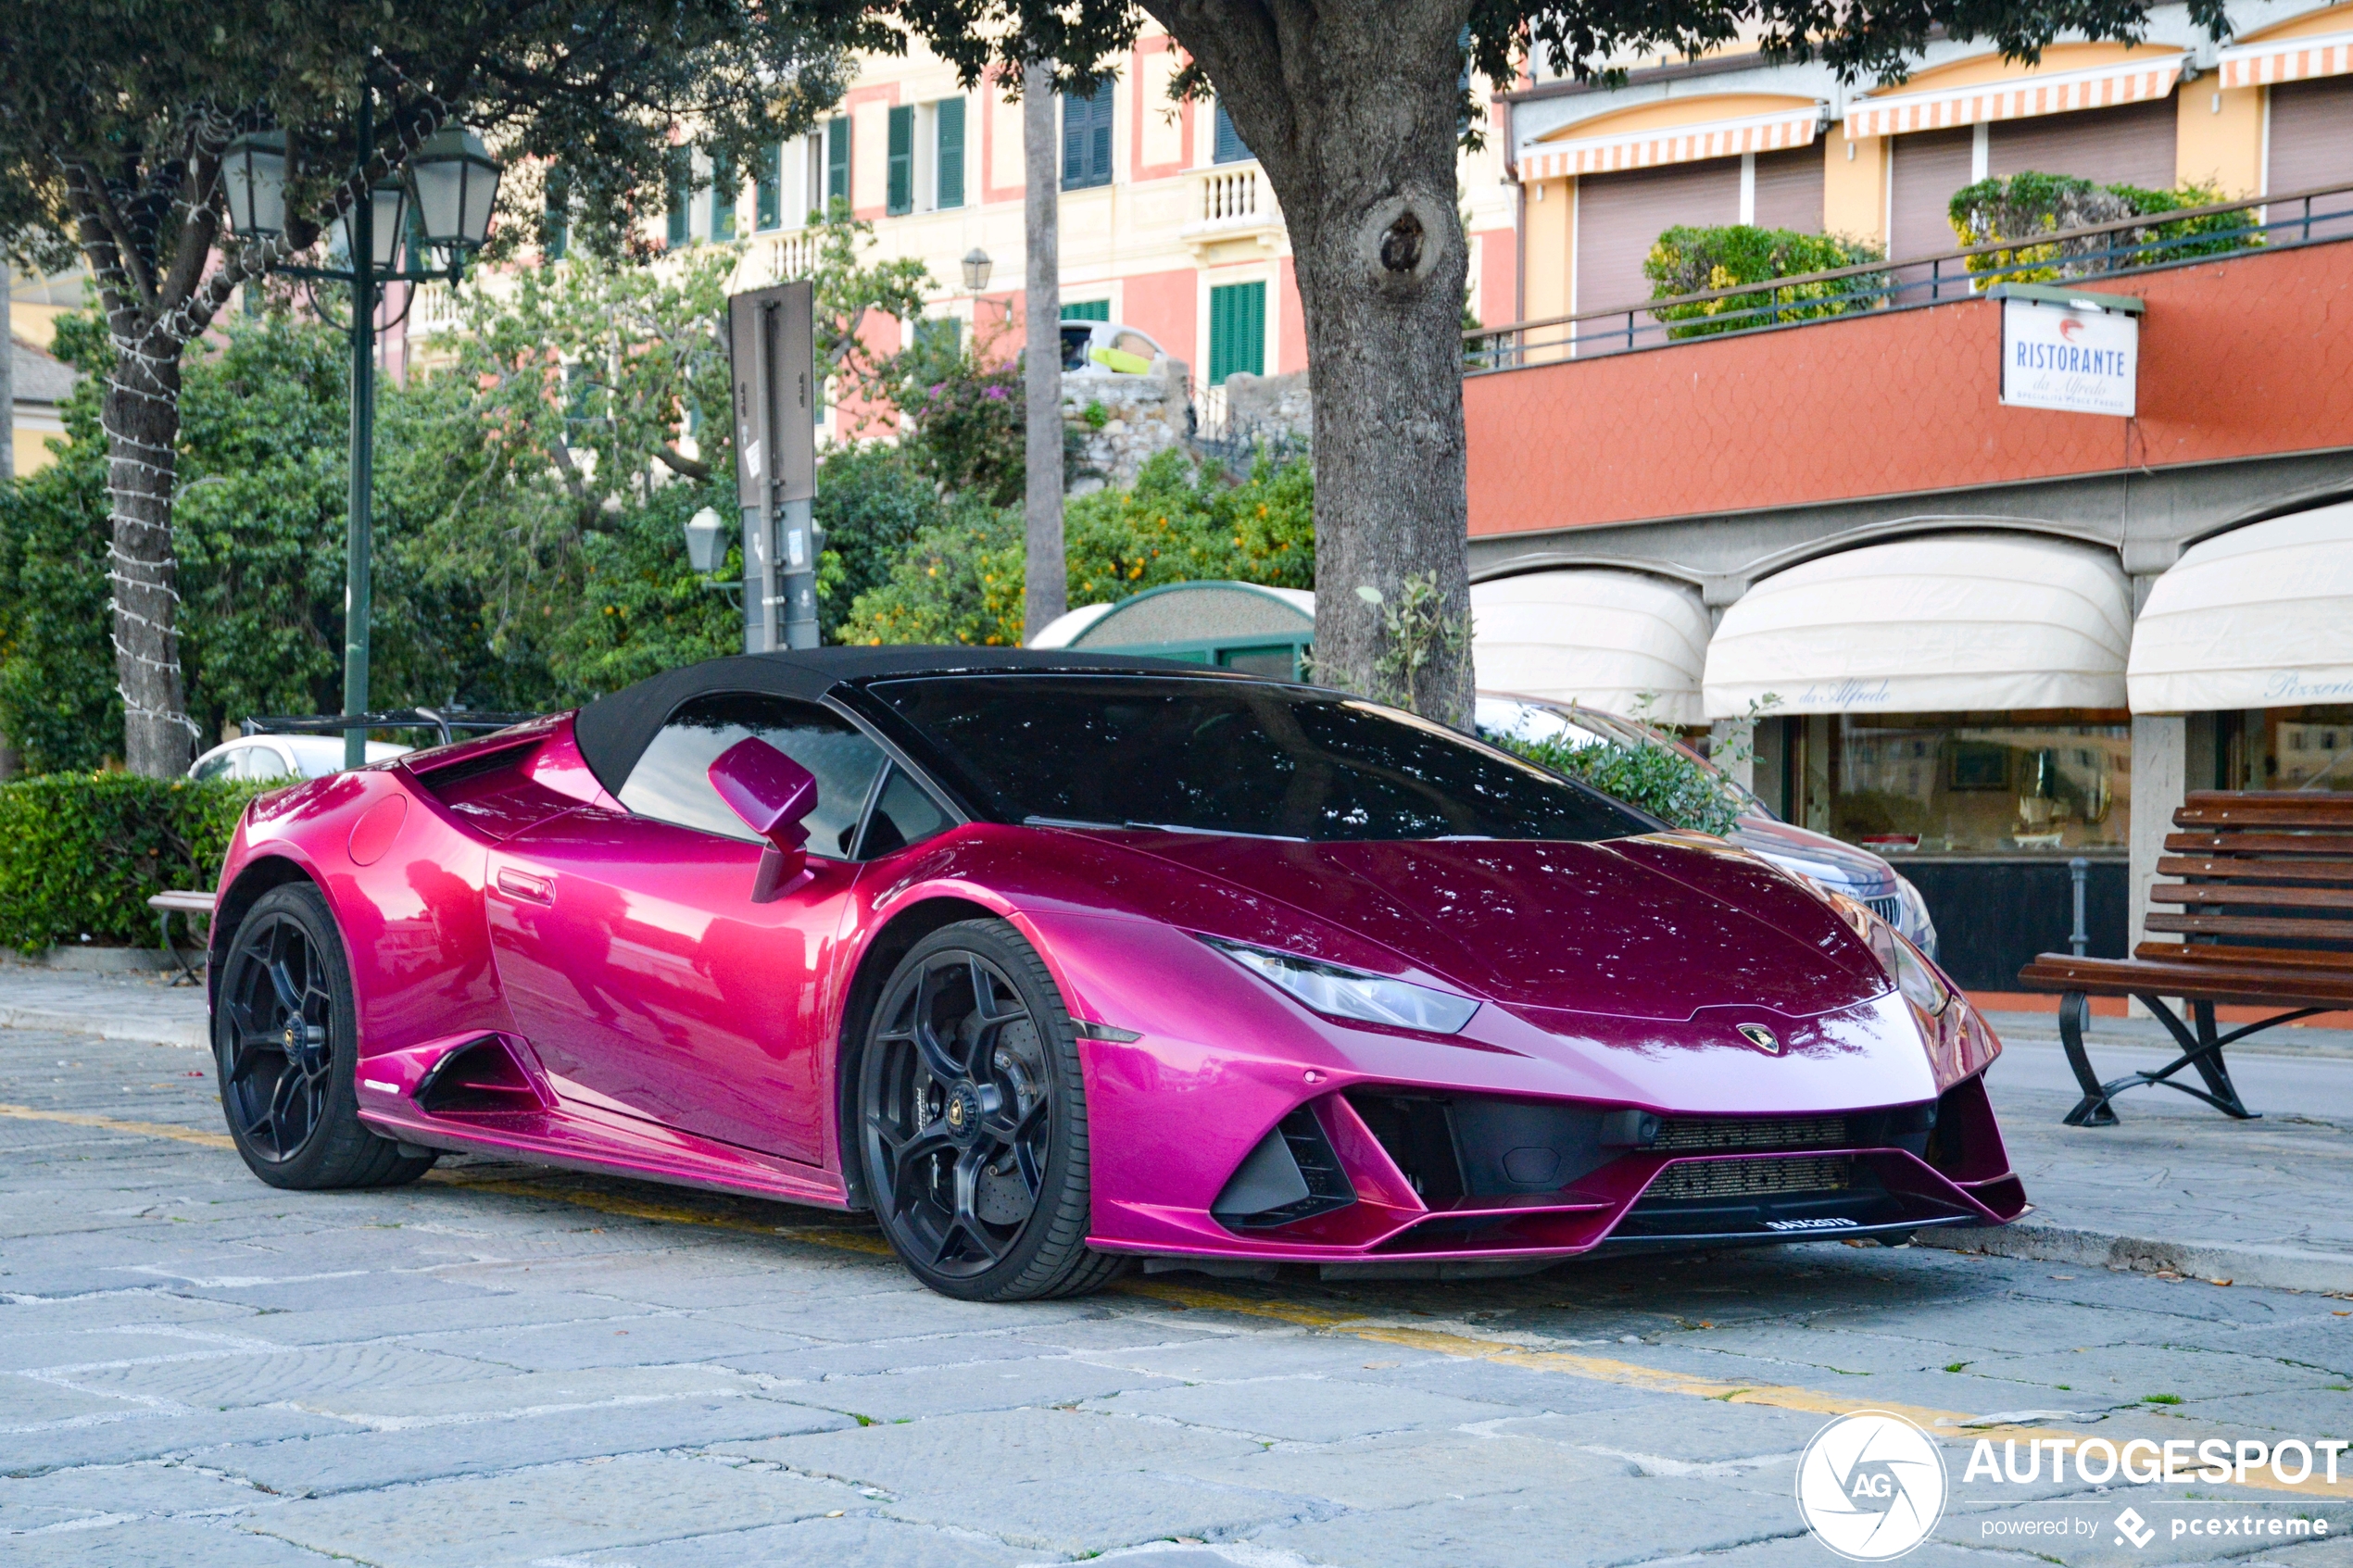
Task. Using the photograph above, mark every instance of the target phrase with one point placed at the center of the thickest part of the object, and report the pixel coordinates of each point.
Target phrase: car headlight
(1920, 983)
(1351, 993)
(1917, 919)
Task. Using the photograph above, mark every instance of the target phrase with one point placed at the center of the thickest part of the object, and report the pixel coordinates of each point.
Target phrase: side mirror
(772, 793)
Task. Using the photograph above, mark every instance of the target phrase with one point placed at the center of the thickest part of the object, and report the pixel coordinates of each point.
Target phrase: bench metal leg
(2092, 1111)
(187, 975)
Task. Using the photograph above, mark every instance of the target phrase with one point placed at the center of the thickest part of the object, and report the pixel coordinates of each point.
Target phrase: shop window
(899, 198)
(1087, 138)
(2285, 748)
(1236, 330)
(948, 179)
(1964, 783)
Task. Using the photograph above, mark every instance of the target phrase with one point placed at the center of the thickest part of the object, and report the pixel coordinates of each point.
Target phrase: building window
(1236, 331)
(1087, 138)
(1226, 146)
(1965, 784)
(679, 178)
(1086, 311)
(768, 191)
(900, 195)
(723, 198)
(837, 160)
(942, 335)
(949, 172)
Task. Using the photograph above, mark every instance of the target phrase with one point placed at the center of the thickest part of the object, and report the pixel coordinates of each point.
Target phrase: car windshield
(1226, 756)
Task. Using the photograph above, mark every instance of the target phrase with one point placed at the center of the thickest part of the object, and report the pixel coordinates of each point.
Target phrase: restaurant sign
(2070, 349)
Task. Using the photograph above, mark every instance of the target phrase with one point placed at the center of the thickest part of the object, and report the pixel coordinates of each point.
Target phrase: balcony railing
(2099, 250)
(433, 311)
(792, 254)
(1236, 203)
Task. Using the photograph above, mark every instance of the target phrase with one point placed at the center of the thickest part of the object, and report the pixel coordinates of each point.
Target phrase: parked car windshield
(1222, 756)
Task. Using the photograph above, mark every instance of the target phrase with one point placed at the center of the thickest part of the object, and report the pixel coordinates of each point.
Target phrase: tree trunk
(1046, 588)
(1351, 106)
(141, 413)
(7, 373)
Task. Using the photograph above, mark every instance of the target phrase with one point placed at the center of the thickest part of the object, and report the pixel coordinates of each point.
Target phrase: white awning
(1672, 143)
(2018, 97)
(2261, 616)
(2287, 59)
(1948, 624)
(1607, 639)
(1057, 632)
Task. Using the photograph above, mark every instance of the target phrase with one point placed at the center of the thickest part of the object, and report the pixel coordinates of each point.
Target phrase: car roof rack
(446, 724)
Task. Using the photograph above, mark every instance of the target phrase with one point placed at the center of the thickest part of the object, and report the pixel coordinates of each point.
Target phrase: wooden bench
(2266, 919)
(181, 901)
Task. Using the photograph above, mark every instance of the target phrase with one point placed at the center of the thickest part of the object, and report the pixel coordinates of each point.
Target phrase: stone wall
(1269, 407)
(1139, 418)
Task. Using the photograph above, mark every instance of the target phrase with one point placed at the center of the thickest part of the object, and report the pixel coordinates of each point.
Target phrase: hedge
(1656, 779)
(80, 853)
(2029, 204)
(1690, 260)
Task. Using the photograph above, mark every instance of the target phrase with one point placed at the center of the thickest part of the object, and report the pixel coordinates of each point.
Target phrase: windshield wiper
(1034, 820)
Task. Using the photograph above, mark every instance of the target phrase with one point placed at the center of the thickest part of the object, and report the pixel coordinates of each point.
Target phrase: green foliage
(961, 579)
(2029, 203)
(872, 502)
(1691, 260)
(81, 853)
(1418, 639)
(1651, 778)
(968, 417)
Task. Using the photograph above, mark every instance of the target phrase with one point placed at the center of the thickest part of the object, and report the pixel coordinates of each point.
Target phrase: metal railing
(2099, 250)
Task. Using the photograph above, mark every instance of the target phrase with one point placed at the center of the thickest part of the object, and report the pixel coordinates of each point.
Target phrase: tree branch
(682, 465)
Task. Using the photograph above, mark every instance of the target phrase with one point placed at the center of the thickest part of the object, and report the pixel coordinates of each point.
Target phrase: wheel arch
(897, 937)
(255, 878)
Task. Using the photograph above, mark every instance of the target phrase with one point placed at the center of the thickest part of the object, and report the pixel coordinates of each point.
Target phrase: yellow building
(1730, 139)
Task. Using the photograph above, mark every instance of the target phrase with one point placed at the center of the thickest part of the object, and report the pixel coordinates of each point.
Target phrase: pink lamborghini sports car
(1054, 963)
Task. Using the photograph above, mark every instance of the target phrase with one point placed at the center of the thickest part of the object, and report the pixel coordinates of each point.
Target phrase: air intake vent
(1722, 1134)
(1292, 1176)
(1753, 1178)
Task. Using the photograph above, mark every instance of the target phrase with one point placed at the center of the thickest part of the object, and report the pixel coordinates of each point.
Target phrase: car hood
(1657, 928)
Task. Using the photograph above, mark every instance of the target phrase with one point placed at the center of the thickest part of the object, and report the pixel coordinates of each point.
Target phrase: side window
(904, 813)
(671, 781)
(218, 767)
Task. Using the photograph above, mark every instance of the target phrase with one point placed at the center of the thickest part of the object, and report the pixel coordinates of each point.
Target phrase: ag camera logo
(1871, 1486)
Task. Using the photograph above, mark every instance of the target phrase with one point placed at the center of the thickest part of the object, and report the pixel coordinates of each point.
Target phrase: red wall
(1162, 304)
(2243, 358)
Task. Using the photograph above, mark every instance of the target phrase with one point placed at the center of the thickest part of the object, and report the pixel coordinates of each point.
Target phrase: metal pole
(356, 599)
(2078, 872)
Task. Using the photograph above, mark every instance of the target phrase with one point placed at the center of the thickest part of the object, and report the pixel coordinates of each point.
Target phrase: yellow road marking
(114, 1125)
(1597, 1369)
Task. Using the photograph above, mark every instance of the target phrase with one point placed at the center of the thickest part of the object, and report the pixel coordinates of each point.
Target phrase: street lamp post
(454, 184)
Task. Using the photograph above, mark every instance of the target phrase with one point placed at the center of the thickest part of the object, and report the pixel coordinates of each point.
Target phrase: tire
(972, 1121)
(285, 1044)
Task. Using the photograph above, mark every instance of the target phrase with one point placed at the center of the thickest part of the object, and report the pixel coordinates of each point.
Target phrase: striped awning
(1673, 143)
(2287, 59)
(2133, 82)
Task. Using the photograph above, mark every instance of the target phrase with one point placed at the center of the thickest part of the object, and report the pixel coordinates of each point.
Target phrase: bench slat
(2218, 953)
(2249, 870)
(2313, 811)
(2233, 842)
(2250, 925)
(2063, 971)
(2267, 897)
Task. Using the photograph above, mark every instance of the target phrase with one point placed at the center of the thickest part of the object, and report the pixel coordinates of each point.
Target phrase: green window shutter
(723, 198)
(951, 167)
(838, 160)
(681, 176)
(1236, 330)
(1088, 310)
(768, 193)
(1087, 138)
(901, 194)
(1228, 147)
(556, 231)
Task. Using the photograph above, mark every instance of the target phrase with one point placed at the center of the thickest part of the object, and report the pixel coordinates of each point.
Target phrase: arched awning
(1945, 624)
(2261, 616)
(1605, 639)
(1058, 632)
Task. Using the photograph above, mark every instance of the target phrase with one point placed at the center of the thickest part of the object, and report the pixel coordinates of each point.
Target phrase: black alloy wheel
(973, 1122)
(284, 1038)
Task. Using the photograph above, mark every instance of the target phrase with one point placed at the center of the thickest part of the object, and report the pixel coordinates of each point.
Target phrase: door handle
(523, 885)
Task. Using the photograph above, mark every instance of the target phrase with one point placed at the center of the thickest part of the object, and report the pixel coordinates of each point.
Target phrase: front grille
(1889, 909)
(1753, 1178)
(1720, 1135)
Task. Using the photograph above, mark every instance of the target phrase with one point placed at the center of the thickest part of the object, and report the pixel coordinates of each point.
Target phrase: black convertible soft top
(614, 731)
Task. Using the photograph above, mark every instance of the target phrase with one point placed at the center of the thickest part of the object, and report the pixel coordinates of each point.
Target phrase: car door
(635, 960)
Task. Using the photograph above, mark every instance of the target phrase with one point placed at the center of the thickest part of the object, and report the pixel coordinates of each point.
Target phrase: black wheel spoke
(936, 1061)
(283, 984)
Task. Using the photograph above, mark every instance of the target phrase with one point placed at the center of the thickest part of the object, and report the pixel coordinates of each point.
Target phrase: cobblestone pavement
(512, 1365)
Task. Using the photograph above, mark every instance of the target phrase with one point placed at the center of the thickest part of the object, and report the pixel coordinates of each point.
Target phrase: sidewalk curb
(192, 1034)
(2269, 1268)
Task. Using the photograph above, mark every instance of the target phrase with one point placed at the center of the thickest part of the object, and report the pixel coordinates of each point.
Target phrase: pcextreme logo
(1870, 1486)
